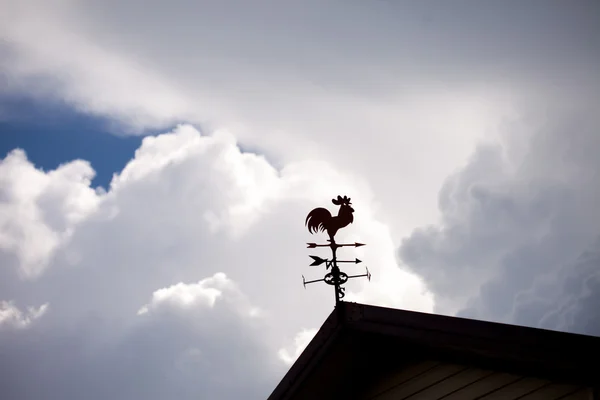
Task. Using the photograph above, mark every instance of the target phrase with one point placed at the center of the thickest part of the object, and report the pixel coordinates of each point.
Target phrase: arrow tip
(357, 261)
(311, 245)
(358, 244)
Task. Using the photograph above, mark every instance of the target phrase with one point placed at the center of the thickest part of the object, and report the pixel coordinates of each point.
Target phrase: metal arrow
(356, 261)
(313, 245)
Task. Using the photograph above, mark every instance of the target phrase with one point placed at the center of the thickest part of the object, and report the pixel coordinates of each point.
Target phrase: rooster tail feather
(318, 219)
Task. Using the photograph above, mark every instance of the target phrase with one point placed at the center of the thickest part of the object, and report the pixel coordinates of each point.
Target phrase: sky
(52, 134)
(158, 159)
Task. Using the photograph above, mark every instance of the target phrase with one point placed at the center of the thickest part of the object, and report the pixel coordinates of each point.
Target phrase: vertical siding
(436, 380)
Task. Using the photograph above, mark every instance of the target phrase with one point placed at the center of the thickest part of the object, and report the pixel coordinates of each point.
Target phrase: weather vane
(320, 219)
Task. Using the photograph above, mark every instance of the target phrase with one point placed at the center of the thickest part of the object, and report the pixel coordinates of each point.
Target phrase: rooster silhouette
(320, 219)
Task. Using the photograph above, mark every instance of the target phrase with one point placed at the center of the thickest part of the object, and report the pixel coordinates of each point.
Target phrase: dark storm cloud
(518, 237)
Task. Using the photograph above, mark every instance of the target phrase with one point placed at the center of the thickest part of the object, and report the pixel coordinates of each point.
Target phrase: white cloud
(301, 340)
(39, 210)
(203, 293)
(10, 315)
(192, 257)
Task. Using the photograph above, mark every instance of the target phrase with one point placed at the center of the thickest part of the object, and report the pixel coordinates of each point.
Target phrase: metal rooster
(320, 219)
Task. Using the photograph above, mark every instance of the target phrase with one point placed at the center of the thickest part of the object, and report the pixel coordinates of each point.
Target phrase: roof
(358, 342)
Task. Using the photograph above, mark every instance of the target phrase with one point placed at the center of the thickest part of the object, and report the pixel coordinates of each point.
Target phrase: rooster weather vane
(320, 219)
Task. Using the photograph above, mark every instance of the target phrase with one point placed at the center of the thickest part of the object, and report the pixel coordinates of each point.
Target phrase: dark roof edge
(532, 351)
(492, 336)
(463, 326)
(310, 357)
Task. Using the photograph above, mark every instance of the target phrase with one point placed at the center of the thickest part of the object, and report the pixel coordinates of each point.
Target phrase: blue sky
(53, 133)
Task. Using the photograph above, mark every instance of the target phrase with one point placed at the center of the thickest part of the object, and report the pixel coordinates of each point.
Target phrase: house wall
(437, 380)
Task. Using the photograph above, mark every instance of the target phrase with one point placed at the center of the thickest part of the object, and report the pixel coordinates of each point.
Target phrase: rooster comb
(341, 201)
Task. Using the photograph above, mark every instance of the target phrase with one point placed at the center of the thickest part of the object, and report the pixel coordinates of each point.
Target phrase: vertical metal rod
(336, 276)
(335, 270)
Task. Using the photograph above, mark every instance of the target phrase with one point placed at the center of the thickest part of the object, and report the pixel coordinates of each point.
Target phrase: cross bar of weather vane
(305, 282)
(320, 219)
(367, 274)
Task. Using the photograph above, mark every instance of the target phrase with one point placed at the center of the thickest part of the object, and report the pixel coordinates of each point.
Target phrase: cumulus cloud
(188, 352)
(518, 237)
(182, 276)
(188, 295)
(39, 210)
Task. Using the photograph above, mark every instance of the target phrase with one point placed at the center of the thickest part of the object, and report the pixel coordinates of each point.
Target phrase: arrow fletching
(317, 260)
